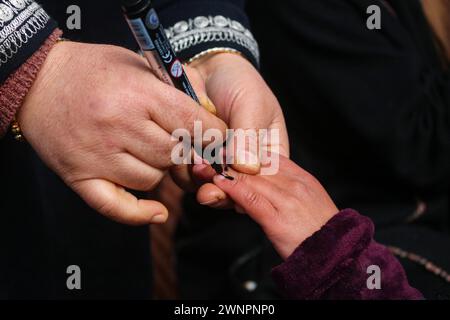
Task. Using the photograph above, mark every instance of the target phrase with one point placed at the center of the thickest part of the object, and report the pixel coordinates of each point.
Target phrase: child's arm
(328, 254)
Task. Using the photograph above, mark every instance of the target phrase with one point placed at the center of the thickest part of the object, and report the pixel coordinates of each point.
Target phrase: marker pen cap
(135, 7)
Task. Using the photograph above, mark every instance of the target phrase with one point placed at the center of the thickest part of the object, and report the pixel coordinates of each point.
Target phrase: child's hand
(289, 206)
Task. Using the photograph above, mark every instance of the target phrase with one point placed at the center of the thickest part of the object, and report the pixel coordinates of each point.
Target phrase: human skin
(244, 101)
(289, 206)
(99, 119)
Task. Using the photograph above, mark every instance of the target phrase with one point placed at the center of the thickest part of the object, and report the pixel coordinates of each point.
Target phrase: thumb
(117, 204)
(198, 83)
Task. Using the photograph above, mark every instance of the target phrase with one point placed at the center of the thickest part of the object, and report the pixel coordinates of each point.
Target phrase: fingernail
(220, 177)
(214, 201)
(157, 219)
(208, 105)
(210, 203)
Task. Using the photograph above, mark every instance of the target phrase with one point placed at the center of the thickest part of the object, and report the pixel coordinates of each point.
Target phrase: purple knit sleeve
(337, 262)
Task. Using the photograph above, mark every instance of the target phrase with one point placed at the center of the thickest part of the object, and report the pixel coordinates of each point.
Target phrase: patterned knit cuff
(14, 90)
(194, 26)
(192, 36)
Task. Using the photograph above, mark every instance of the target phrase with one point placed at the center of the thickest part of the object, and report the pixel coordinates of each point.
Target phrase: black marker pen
(151, 37)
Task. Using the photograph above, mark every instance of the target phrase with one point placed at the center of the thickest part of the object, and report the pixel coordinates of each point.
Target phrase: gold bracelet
(213, 51)
(16, 131)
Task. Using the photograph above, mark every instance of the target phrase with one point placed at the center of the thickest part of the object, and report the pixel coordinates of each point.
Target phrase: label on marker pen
(153, 41)
(152, 20)
(177, 69)
(141, 34)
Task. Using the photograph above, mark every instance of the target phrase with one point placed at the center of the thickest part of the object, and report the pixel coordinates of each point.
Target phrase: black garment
(368, 112)
(46, 227)
(102, 21)
(32, 27)
(175, 11)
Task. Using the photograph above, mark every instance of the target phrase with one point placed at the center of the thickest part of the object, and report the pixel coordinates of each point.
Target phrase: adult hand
(244, 101)
(289, 206)
(102, 121)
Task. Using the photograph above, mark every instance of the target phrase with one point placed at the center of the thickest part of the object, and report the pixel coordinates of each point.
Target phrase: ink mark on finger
(227, 176)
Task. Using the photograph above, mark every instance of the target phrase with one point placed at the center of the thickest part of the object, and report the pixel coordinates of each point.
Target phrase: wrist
(291, 237)
(208, 63)
(55, 57)
(331, 251)
(205, 55)
(16, 87)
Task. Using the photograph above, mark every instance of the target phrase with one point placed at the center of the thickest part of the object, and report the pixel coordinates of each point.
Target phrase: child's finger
(251, 193)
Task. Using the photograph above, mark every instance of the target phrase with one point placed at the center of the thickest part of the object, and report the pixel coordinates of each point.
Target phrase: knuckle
(145, 185)
(107, 207)
(291, 204)
(241, 179)
(148, 182)
(168, 148)
(252, 198)
(298, 188)
(190, 116)
(152, 182)
(103, 112)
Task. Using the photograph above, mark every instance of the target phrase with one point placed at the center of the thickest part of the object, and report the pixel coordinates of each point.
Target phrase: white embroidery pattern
(186, 34)
(20, 20)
